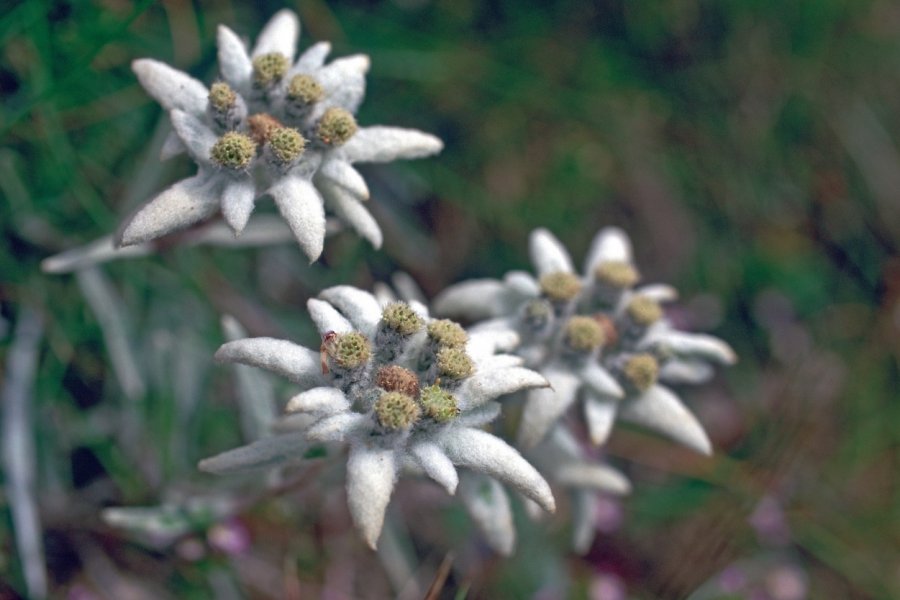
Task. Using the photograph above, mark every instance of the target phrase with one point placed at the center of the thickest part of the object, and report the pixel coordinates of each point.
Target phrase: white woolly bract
(488, 505)
(385, 144)
(170, 87)
(266, 452)
(611, 244)
(371, 472)
(300, 365)
(435, 464)
(474, 299)
(326, 318)
(544, 406)
(238, 198)
(548, 255)
(599, 414)
(593, 476)
(350, 210)
(279, 35)
(359, 307)
(302, 207)
(320, 400)
(485, 385)
(343, 175)
(661, 410)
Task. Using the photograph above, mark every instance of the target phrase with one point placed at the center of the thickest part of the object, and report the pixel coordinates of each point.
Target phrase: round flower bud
(400, 317)
(560, 286)
(221, 96)
(304, 90)
(262, 126)
(438, 404)
(537, 313)
(395, 410)
(286, 144)
(644, 311)
(454, 363)
(233, 150)
(617, 273)
(394, 378)
(336, 126)
(447, 333)
(268, 69)
(584, 334)
(349, 350)
(641, 371)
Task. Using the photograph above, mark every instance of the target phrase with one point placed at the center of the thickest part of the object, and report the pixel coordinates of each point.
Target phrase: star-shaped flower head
(597, 335)
(271, 126)
(408, 393)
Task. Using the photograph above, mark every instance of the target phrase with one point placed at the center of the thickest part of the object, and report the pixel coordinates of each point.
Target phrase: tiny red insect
(323, 349)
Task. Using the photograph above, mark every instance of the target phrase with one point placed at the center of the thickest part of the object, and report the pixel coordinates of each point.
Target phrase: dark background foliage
(750, 148)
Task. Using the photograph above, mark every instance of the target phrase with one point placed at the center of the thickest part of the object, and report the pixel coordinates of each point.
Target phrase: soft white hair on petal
(371, 472)
(342, 174)
(488, 384)
(685, 371)
(320, 400)
(546, 405)
(489, 507)
(350, 210)
(547, 254)
(660, 410)
(600, 380)
(436, 465)
(584, 516)
(235, 65)
(197, 137)
(499, 361)
(186, 202)
(344, 82)
(611, 244)
(327, 318)
(485, 453)
(267, 452)
(338, 427)
(480, 416)
(300, 365)
(407, 287)
(692, 345)
(238, 198)
(380, 143)
(172, 146)
(474, 299)
(601, 478)
(295, 422)
(522, 284)
(599, 414)
(170, 87)
(280, 35)
(311, 59)
(485, 342)
(360, 307)
(302, 207)
(660, 292)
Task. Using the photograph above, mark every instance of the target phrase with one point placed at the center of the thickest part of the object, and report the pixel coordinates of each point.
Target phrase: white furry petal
(660, 410)
(312, 58)
(350, 210)
(487, 342)
(600, 380)
(548, 255)
(198, 139)
(338, 428)
(385, 144)
(300, 365)
(302, 207)
(344, 82)
(266, 452)
(327, 318)
(593, 476)
(238, 199)
(474, 299)
(486, 385)
(685, 371)
(488, 506)
(610, 245)
(599, 414)
(234, 63)
(320, 400)
(691, 345)
(485, 453)
(361, 308)
(371, 472)
(545, 405)
(280, 35)
(186, 202)
(170, 87)
(343, 175)
(172, 146)
(436, 465)
(480, 416)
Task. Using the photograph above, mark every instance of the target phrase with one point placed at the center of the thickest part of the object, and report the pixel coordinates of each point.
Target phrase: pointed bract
(327, 318)
(545, 405)
(297, 363)
(360, 308)
(661, 410)
(547, 254)
(371, 472)
(436, 465)
(237, 203)
(301, 206)
(170, 87)
(279, 35)
(235, 65)
(260, 454)
(385, 144)
(488, 505)
(484, 386)
(320, 400)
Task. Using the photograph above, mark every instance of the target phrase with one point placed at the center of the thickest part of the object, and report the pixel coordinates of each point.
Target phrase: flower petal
(350, 210)
(545, 405)
(342, 174)
(327, 318)
(280, 35)
(187, 202)
(485, 453)
(584, 526)
(344, 81)
(237, 203)
(198, 139)
(478, 417)
(371, 472)
(267, 452)
(601, 478)
(547, 253)
(302, 207)
(170, 87)
(338, 428)
(361, 308)
(611, 244)
(599, 414)
(235, 65)
(485, 385)
(172, 146)
(436, 465)
(312, 58)
(489, 507)
(475, 299)
(487, 342)
(690, 345)
(658, 291)
(300, 365)
(660, 410)
(685, 371)
(599, 380)
(385, 144)
(320, 400)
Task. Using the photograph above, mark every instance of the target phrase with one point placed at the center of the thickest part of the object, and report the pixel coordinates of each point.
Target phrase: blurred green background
(750, 148)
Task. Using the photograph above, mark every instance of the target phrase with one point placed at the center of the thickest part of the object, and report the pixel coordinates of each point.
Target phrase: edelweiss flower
(596, 336)
(271, 127)
(407, 393)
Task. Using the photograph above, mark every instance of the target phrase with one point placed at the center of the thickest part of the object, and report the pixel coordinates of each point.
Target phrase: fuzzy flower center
(454, 363)
(400, 317)
(560, 286)
(617, 273)
(304, 90)
(393, 378)
(262, 126)
(438, 404)
(641, 371)
(396, 411)
(268, 69)
(447, 333)
(233, 150)
(584, 334)
(336, 127)
(644, 310)
(537, 312)
(350, 350)
(221, 96)
(286, 144)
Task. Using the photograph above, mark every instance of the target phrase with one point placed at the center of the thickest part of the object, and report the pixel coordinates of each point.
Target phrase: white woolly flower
(406, 392)
(271, 126)
(597, 336)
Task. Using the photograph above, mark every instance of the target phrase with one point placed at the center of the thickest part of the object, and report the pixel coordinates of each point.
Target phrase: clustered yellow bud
(617, 273)
(438, 404)
(400, 317)
(221, 96)
(454, 363)
(349, 350)
(560, 286)
(641, 371)
(336, 126)
(268, 69)
(644, 310)
(396, 410)
(286, 144)
(233, 150)
(584, 334)
(447, 333)
(304, 90)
